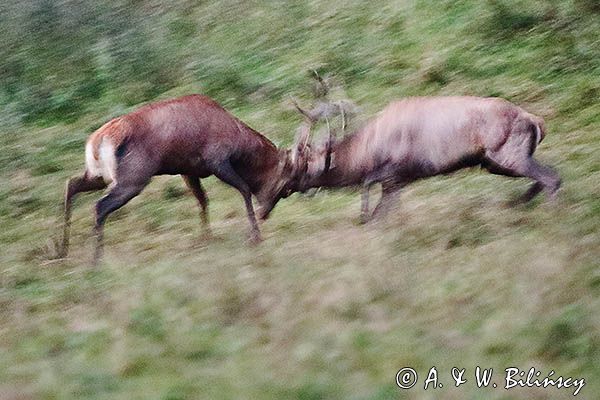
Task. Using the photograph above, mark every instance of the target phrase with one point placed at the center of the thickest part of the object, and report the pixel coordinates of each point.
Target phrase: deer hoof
(255, 239)
(364, 219)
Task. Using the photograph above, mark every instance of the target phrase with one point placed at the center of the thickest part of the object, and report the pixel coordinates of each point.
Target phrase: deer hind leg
(75, 185)
(118, 196)
(193, 183)
(530, 194)
(545, 178)
(132, 175)
(227, 174)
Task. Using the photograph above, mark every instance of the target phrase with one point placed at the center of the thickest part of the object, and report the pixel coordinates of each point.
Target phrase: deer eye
(285, 192)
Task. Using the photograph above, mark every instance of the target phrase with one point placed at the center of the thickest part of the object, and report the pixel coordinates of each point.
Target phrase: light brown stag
(419, 137)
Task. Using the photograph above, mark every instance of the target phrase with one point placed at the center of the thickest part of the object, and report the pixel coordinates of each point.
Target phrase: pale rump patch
(106, 163)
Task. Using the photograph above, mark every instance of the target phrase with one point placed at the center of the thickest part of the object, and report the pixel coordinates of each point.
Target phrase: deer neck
(345, 169)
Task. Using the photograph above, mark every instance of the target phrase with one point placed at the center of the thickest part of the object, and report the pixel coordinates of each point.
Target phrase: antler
(312, 116)
(323, 110)
(321, 88)
(303, 136)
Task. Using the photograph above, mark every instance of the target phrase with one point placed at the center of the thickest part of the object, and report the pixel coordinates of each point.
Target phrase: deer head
(315, 158)
(286, 177)
(307, 159)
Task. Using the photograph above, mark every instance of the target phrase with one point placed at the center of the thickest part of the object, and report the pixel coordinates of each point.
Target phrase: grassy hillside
(323, 308)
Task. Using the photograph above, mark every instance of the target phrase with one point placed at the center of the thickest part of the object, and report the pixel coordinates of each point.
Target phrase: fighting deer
(191, 136)
(420, 137)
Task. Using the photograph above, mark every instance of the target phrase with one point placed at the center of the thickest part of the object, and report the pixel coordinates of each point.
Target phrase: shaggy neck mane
(347, 169)
(258, 156)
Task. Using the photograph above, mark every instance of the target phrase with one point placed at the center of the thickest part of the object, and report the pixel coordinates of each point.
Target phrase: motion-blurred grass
(323, 308)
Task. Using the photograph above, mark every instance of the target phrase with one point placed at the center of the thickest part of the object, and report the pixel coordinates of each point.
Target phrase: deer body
(420, 137)
(192, 136)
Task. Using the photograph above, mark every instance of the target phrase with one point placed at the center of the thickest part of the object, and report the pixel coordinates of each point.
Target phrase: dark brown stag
(420, 137)
(192, 136)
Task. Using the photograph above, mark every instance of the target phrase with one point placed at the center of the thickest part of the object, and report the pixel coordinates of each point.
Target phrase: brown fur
(186, 136)
(192, 136)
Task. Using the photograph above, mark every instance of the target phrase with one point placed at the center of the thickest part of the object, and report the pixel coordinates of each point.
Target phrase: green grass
(324, 308)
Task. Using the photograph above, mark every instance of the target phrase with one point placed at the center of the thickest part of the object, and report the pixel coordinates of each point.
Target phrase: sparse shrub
(45, 164)
(231, 304)
(173, 192)
(146, 321)
(386, 392)
(179, 392)
(182, 28)
(136, 366)
(225, 81)
(312, 391)
(588, 5)
(505, 20)
(25, 203)
(471, 231)
(94, 383)
(569, 337)
(594, 284)
(436, 74)
(584, 95)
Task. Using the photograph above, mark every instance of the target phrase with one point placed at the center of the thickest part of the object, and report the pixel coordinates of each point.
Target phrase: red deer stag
(420, 137)
(192, 136)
